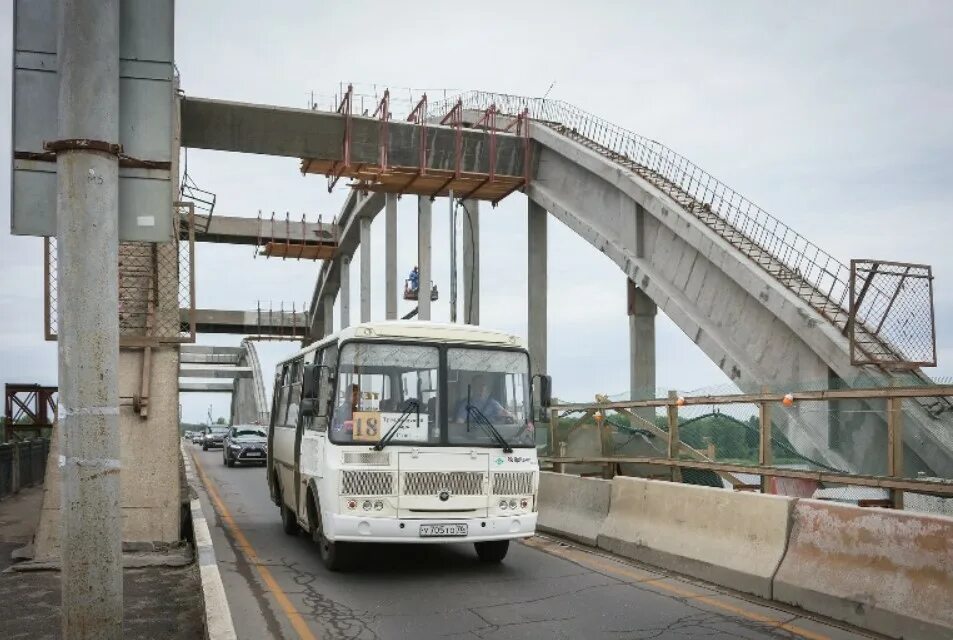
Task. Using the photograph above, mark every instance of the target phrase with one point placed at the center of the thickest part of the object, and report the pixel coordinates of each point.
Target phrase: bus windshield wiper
(412, 405)
(484, 422)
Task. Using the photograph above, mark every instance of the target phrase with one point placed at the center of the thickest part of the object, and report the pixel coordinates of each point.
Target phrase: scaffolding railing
(814, 275)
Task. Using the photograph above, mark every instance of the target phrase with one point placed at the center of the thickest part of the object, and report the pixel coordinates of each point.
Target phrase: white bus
(406, 432)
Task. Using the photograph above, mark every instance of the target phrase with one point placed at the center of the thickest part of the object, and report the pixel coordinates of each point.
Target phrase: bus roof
(419, 330)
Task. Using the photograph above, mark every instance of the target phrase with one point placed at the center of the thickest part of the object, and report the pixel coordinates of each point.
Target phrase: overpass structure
(234, 370)
(762, 302)
(768, 307)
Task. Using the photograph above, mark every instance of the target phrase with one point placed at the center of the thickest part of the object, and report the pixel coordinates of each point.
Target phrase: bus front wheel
(334, 555)
(288, 521)
(492, 551)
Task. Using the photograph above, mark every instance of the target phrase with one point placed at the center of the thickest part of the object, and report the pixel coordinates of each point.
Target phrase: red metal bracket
(383, 114)
(418, 116)
(337, 168)
(455, 118)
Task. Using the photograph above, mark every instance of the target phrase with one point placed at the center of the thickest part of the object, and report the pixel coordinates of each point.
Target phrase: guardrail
(22, 464)
(760, 449)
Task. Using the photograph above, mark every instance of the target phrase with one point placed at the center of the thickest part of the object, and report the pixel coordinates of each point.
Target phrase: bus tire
(492, 551)
(288, 522)
(334, 555)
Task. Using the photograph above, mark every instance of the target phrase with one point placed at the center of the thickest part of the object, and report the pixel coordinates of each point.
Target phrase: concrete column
(87, 210)
(471, 261)
(424, 220)
(328, 314)
(642, 312)
(390, 256)
(366, 254)
(537, 286)
(345, 293)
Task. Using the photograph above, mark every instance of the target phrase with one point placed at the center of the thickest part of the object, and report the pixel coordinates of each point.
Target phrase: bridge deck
(544, 589)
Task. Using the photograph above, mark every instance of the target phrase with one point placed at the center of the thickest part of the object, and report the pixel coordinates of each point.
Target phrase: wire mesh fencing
(156, 287)
(894, 300)
(842, 444)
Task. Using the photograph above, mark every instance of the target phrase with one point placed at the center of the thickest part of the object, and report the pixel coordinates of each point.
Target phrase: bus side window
(281, 404)
(320, 423)
(294, 395)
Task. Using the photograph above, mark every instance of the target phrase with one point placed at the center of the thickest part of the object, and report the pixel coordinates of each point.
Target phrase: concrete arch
(746, 321)
(249, 401)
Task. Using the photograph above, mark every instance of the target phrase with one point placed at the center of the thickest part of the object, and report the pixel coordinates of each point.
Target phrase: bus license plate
(442, 530)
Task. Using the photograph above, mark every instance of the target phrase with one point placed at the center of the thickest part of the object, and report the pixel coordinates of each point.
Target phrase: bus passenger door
(313, 439)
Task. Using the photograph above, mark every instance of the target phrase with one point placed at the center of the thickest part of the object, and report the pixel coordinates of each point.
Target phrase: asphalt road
(278, 588)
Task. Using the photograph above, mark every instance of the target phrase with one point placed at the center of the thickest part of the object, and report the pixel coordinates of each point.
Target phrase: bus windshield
(381, 384)
(488, 385)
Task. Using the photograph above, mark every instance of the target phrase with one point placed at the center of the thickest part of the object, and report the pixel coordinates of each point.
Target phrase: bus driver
(481, 399)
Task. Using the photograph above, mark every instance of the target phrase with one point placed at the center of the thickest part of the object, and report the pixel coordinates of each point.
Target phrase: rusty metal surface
(28, 407)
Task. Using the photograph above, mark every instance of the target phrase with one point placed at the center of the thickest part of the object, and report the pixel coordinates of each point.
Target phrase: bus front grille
(367, 483)
(512, 483)
(431, 483)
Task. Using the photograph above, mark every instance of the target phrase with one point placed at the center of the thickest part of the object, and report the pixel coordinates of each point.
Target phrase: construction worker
(414, 279)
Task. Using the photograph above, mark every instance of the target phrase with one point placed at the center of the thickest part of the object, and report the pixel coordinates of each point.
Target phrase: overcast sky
(835, 117)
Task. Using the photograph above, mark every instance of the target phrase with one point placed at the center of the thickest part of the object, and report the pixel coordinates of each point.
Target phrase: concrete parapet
(149, 476)
(573, 507)
(733, 539)
(884, 570)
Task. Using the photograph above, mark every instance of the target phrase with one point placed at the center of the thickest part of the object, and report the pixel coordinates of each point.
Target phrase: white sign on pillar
(146, 100)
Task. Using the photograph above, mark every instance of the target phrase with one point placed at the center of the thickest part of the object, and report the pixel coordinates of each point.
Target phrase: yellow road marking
(598, 563)
(252, 557)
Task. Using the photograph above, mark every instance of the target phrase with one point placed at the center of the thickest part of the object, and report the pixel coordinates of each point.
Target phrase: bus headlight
(367, 505)
(513, 503)
(503, 504)
(378, 505)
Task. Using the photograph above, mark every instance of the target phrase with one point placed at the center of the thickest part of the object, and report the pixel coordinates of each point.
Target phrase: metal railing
(22, 464)
(811, 273)
(747, 449)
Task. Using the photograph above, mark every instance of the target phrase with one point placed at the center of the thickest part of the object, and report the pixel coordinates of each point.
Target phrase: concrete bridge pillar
(328, 314)
(390, 256)
(471, 261)
(366, 269)
(537, 286)
(642, 313)
(345, 290)
(424, 223)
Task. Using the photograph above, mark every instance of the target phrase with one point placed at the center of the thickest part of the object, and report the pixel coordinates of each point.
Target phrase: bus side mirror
(544, 386)
(315, 386)
(310, 381)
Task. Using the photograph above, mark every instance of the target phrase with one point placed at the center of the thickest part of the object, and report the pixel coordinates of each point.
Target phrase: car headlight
(234, 446)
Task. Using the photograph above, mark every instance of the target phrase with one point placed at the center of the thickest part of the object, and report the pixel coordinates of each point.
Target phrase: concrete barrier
(732, 539)
(571, 506)
(884, 570)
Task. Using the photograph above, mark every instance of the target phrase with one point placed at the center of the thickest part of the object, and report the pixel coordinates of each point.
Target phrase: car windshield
(249, 433)
(489, 385)
(219, 430)
(381, 385)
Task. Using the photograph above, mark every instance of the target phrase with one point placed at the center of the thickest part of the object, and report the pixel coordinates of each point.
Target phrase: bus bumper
(360, 529)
